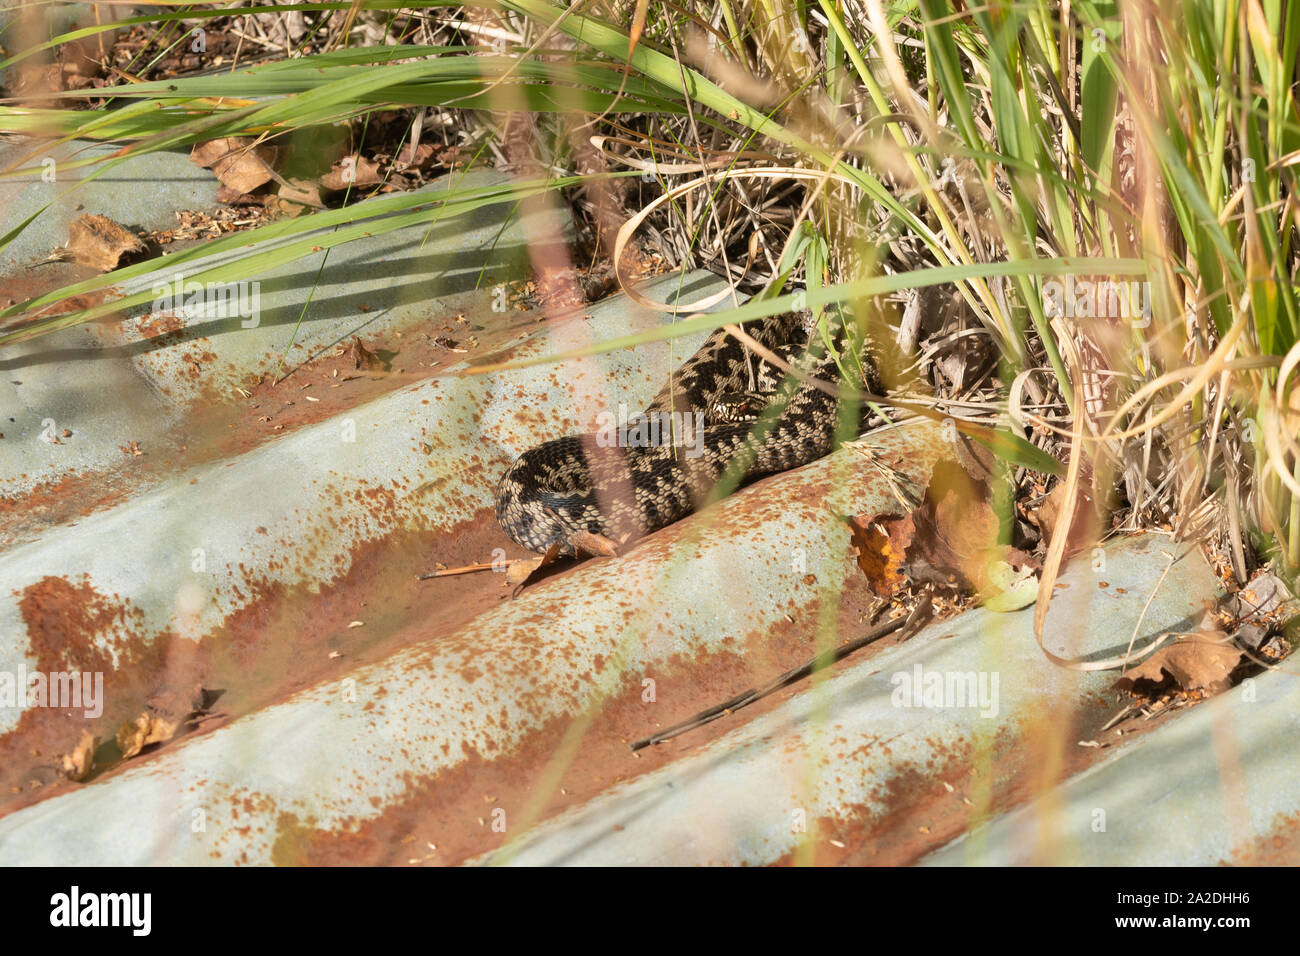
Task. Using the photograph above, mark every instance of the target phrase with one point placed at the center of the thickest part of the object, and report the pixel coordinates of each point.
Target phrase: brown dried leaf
(950, 540)
(99, 242)
(135, 735)
(351, 171)
(521, 574)
(519, 571)
(978, 461)
(1084, 528)
(421, 155)
(236, 162)
(956, 530)
(964, 531)
(76, 765)
(882, 542)
(448, 343)
(1201, 662)
(302, 192)
(362, 357)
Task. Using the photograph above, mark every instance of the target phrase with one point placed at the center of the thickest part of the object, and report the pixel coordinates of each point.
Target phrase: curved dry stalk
(1018, 415)
(1060, 534)
(1052, 568)
(1214, 364)
(721, 161)
(630, 227)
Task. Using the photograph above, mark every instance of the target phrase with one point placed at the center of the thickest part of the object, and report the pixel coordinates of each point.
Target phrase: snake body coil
(743, 419)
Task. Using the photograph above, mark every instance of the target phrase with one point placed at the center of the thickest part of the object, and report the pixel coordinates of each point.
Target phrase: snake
(726, 417)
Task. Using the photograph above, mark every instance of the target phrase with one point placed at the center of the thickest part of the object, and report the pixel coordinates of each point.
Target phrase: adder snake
(595, 484)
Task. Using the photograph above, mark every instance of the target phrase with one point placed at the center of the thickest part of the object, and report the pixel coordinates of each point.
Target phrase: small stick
(1117, 718)
(789, 677)
(466, 569)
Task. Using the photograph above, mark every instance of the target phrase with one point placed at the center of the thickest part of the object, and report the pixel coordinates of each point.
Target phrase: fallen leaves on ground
(421, 155)
(164, 715)
(351, 171)
(362, 357)
(950, 540)
(881, 542)
(1084, 529)
(1203, 661)
(135, 735)
(99, 242)
(595, 545)
(299, 193)
(77, 765)
(525, 572)
(528, 571)
(241, 165)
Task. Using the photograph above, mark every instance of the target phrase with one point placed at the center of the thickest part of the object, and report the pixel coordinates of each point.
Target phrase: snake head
(734, 408)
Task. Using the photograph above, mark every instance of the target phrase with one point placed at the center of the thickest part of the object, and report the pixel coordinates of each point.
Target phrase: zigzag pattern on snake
(580, 484)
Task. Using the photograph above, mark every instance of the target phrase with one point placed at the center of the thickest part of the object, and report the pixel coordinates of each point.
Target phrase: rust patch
(279, 643)
(222, 425)
(282, 640)
(1279, 847)
(51, 276)
(292, 840)
(60, 500)
(922, 814)
(453, 810)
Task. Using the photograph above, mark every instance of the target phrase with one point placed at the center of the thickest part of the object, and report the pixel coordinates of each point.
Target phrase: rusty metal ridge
(185, 555)
(836, 765)
(340, 754)
(1207, 789)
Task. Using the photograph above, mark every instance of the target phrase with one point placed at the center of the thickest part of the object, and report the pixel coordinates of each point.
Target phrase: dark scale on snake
(578, 484)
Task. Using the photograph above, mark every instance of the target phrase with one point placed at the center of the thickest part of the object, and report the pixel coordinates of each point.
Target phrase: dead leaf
(978, 461)
(239, 164)
(135, 735)
(351, 171)
(302, 192)
(362, 357)
(76, 765)
(1201, 662)
(519, 571)
(956, 531)
(1084, 528)
(964, 527)
(419, 157)
(881, 542)
(951, 540)
(448, 343)
(99, 242)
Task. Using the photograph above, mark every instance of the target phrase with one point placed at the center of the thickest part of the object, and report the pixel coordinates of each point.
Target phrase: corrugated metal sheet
(265, 548)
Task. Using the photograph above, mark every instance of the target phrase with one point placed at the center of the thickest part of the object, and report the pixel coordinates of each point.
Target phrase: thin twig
(466, 569)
